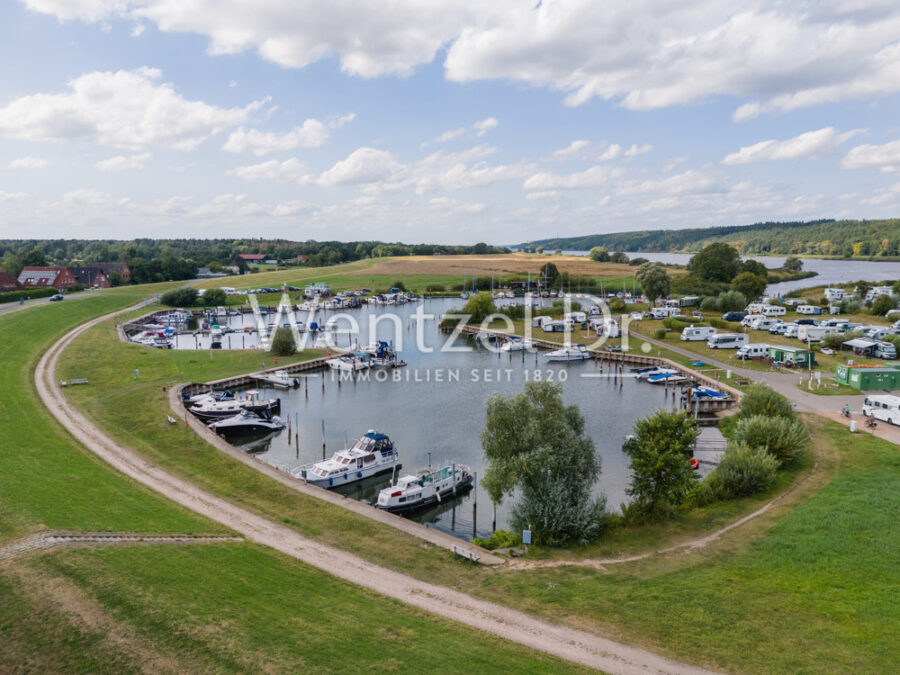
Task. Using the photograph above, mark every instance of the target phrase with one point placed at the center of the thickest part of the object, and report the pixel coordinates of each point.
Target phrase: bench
(466, 553)
(73, 381)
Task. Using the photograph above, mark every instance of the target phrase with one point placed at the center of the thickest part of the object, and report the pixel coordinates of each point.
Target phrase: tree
(550, 273)
(750, 285)
(755, 267)
(479, 306)
(34, 258)
(214, 297)
(760, 400)
(792, 264)
(619, 257)
(716, 262)
(116, 279)
(600, 254)
(180, 297)
(731, 301)
(782, 437)
(535, 444)
(654, 280)
(883, 304)
(660, 450)
(283, 342)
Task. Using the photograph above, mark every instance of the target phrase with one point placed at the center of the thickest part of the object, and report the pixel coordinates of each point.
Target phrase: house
(239, 266)
(8, 282)
(252, 258)
(90, 277)
(47, 277)
(108, 268)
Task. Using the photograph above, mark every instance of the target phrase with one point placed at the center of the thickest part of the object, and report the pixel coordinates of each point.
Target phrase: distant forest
(833, 238)
(153, 260)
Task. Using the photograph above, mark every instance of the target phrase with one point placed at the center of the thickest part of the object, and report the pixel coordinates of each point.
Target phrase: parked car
(733, 316)
(56, 298)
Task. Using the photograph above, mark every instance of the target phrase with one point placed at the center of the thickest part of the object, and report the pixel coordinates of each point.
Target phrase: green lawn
(235, 608)
(47, 479)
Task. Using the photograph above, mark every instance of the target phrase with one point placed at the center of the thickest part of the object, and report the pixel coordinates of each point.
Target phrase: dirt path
(566, 643)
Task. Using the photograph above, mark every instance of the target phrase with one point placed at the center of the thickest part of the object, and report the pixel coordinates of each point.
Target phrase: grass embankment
(231, 607)
(812, 592)
(48, 480)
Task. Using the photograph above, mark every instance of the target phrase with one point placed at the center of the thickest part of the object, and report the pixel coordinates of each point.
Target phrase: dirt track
(566, 643)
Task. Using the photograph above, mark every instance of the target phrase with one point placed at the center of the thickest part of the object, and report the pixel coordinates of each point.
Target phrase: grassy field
(228, 608)
(48, 480)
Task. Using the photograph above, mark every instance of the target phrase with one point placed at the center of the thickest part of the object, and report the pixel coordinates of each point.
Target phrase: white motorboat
(220, 395)
(372, 454)
(516, 344)
(246, 422)
(413, 492)
(213, 409)
(280, 379)
(569, 353)
(673, 377)
(351, 362)
(653, 371)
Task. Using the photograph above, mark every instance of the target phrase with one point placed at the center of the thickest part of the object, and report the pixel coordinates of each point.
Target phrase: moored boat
(569, 353)
(413, 492)
(370, 455)
(247, 421)
(214, 410)
(351, 363)
(280, 379)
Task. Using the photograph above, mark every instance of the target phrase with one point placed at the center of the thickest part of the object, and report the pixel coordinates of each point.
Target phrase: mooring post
(475, 504)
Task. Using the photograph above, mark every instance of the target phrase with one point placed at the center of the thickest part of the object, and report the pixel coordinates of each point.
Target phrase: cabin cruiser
(672, 377)
(381, 354)
(413, 492)
(247, 421)
(569, 353)
(216, 410)
(280, 379)
(220, 395)
(351, 362)
(372, 454)
(161, 342)
(517, 344)
(651, 371)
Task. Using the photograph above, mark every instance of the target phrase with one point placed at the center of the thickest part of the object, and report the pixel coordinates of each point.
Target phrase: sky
(442, 121)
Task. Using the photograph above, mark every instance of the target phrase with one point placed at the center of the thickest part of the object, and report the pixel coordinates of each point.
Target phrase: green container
(868, 379)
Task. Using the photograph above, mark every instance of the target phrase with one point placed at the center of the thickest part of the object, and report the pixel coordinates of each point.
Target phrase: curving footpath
(566, 643)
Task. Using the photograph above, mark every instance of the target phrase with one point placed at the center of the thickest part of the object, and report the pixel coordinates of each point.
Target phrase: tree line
(832, 238)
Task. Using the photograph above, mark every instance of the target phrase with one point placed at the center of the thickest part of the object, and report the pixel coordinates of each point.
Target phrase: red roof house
(8, 282)
(252, 257)
(45, 277)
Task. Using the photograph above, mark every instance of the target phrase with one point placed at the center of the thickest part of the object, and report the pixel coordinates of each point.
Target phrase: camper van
(877, 332)
(754, 308)
(835, 294)
(815, 333)
(727, 341)
(754, 351)
(773, 310)
(577, 317)
(539, 321)
(883, 407)
(663, 312)
(836, 323)
(811, 310)
(884, 350)
(697, 333)
(761, 322)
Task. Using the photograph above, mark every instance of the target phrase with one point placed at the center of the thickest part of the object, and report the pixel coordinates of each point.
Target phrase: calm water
(829, 271)
(444, 418)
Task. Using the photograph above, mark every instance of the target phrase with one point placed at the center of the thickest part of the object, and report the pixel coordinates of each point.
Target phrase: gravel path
(566, 643)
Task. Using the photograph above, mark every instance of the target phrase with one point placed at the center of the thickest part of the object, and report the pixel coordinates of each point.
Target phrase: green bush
(835, 340)
(731, 301)
(709, 304)
(28, 293)
(180, 297)
(760, 400)
(617, 305)
(883, 304)
(435, 288)
(499, 539)
(660, 333)
(783, 438)
(214, 297)
(399, 285)
(283, 342)
(743, 471)
(718, 323)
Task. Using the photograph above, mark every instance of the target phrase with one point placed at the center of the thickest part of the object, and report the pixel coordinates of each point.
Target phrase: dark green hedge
(13, 296)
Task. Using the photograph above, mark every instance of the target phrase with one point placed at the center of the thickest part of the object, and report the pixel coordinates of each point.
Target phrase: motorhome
(754, 308)
(727, 341)
(577, 317)
(697, 333)
(815, 333)
(812, 310)
(539, 321)
(835, 294)
(773, 310)
(883, 407)
(663, 312)
(761, 322)
(753, 351)
(876, 291)
(884, 350)
(791, 330)
(836, 323)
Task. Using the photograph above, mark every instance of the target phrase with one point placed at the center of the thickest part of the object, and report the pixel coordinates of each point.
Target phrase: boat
(517, 344)
(247, 421)
(673, 377)
(382, 354)
(280, 379)
(653, 371)
(702, 391)
(216, 410)
(351, 362)
(370, 455)
(569, 353)
(161, 342)
(220, 395)
(414, 492)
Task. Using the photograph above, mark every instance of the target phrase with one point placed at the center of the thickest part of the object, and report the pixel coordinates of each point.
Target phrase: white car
(637, 316)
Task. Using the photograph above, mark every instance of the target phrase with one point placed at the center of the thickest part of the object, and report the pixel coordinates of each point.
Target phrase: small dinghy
(414, 492)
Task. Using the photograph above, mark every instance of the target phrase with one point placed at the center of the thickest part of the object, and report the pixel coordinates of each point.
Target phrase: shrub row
(13, 296)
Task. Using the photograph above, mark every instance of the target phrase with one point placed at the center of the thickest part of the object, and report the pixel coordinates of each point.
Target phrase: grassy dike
(229, 607)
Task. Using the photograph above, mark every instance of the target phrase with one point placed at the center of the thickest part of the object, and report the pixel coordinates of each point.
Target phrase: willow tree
(535, 444)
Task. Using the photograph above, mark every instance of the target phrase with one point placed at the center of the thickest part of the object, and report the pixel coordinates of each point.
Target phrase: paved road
(566, 643)
(13, 306)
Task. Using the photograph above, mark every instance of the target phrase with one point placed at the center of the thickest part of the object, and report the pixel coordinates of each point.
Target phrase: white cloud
(592, 177)
(128, 109)
(636, 150)
(291, 208)
(365, 165)
(544, 194)
(809, 145)
(138, 30)
(123, 163)
(28, 163)
(311, 134)
(288, 171)
(11, 196)
(612, 152)
(484, 126)
(572, 148)
(885, 157)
